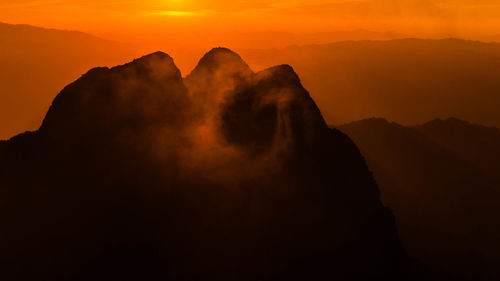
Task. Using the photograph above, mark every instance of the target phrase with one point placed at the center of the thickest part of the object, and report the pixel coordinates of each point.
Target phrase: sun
(175, 13)
(176, 8)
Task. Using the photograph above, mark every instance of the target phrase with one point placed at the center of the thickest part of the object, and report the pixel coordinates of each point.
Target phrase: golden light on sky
(174, 13)
(130, 20)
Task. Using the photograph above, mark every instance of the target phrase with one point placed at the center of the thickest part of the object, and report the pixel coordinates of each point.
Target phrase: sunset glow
(130, 21)
(249, 140)
(175, 13)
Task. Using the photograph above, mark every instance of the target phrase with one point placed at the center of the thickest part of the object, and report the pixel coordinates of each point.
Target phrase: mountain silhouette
(139, 174)
(441, 181)
(409, 81)
(38, 62)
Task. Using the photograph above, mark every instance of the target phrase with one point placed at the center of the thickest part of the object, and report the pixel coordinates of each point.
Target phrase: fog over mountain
(35, 63)
(217, 172)
(409, 81)
(227, 174)
(441, 180)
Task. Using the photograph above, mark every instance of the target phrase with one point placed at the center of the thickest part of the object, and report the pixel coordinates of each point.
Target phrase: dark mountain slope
(446, 205)
(477, 144)
(138, 174)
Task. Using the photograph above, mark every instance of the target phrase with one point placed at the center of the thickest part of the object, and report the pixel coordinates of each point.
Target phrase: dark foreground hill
(476, 144)
(139, 174)
(442, 181)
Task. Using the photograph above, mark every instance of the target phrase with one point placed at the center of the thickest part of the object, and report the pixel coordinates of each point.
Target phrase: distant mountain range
(476, 144)
(268, 39)
(409, 81)
(16, 33)
(230, 174)
(442, 179)
(37, 63)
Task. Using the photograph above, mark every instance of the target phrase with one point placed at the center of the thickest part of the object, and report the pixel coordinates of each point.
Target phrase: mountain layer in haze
(409, 81)
(227, 174)
(35, 63)
(442, 180)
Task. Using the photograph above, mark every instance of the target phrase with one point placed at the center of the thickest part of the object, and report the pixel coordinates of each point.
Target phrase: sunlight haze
(145, 21)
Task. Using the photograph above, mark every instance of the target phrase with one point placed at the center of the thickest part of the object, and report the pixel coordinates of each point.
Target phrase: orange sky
(147, 20)
(187, 28)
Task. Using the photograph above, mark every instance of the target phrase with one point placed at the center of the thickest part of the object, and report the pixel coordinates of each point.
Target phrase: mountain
(441, 181)
(409, 80)
(477, 144)
(139, 174)
(38, 62)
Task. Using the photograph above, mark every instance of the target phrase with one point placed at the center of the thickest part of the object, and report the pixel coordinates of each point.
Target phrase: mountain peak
(374, 121)
(452, 121)
(221, 60)
(282, 73)
(106, 99)
(221, 50)
(154, 56)
(221, 56)
(156, 62)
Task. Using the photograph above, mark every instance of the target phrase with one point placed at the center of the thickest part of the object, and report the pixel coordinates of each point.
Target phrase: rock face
(139, 174)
